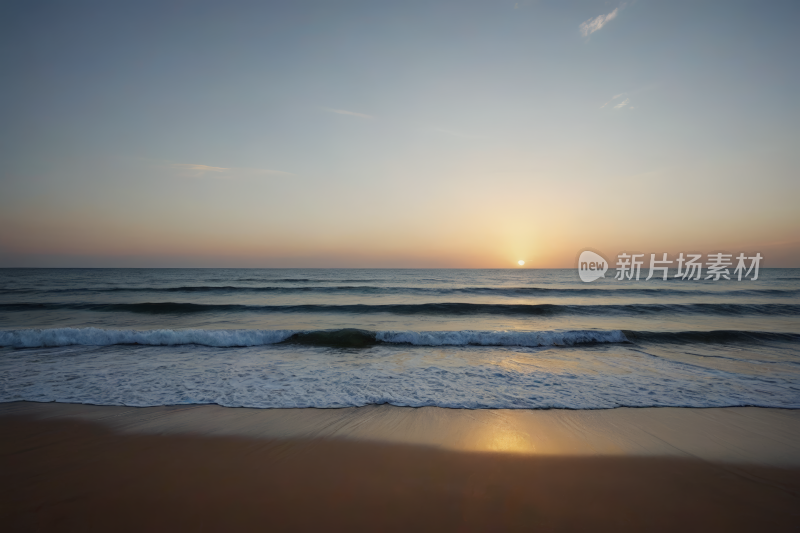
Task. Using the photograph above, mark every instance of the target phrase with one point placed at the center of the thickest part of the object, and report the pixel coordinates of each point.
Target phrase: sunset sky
(396, 134)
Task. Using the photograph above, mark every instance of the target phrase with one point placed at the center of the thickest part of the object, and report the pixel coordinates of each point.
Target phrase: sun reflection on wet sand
(741, 434)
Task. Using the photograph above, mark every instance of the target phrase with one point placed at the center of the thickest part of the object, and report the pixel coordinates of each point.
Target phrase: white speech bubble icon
(591, 266)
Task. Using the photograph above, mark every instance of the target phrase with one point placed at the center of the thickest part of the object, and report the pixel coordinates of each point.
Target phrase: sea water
(280, 338)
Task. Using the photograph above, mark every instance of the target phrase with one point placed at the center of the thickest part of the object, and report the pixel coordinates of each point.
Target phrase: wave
(442, 309)
(370, 289)
(355, 338)
(358, 338)
(293, 280)
(39, 338)
(709, 337)
(299, 280)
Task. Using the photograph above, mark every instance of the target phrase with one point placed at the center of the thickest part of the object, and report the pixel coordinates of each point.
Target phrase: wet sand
(207, 468)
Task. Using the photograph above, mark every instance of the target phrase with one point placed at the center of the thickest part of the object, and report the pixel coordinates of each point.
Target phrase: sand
(381, 468)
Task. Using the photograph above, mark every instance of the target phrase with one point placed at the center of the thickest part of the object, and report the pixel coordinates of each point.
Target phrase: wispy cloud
(612, 99)
(191, 170)
(626, 102)
(622, 103)
(199, 168)
(595, 24)
(351, 113)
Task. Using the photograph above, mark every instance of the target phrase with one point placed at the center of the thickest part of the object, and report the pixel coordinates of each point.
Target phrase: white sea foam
(39, 338)
(465, 373)
(283, 376)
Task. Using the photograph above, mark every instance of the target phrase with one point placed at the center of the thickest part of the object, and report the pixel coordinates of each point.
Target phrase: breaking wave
(37, 338)
(358, 338)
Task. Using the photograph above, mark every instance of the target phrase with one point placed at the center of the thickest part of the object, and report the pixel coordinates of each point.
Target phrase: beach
(70, 467)
(397, 400)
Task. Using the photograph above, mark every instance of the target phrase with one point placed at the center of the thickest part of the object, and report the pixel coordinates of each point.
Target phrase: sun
(520, 262)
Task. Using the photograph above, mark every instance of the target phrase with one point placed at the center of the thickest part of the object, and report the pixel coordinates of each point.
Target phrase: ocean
(328, 338)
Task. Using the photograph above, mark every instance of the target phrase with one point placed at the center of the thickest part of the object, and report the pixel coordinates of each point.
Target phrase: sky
(396, 133)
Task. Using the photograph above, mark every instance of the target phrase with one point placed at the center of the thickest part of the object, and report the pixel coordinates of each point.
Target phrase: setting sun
(521, 262)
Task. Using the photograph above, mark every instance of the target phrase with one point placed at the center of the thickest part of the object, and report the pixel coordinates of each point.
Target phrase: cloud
(199, 168)
(614, 98)
(351, 113)
(595, 24)
(190, 170)
(622, 103)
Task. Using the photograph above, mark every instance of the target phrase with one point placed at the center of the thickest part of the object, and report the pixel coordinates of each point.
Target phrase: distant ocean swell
(442, 309)
(355, 338)
(428, 291)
